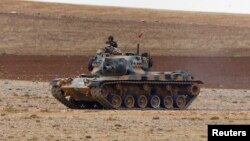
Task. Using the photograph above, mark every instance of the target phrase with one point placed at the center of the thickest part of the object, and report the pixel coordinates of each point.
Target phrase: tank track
(101, 99)
(57, 94)
(97, 95)
(71, 103)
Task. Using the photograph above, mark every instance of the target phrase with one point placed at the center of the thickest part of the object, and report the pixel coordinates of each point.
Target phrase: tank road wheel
(180, 101)
(167, 102)
(115, 100)
(129, 101)
(142, 101)
(194, 90)
(154, 101)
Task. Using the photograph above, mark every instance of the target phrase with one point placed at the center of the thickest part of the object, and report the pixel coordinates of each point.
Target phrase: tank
(124, 81)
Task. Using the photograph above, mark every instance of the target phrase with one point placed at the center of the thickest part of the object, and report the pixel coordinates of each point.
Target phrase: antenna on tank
(138, 44)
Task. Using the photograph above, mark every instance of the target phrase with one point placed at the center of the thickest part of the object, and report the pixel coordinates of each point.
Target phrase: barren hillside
(56, 29)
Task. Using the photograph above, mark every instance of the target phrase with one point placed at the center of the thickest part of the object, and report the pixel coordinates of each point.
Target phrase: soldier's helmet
(110, 38)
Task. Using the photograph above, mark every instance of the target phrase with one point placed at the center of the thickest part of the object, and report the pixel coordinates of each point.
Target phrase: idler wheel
(167, 102)
(129, 101)
(115, 100)
(194, 90)
(142, 101)
(180, 101)
(154, 101)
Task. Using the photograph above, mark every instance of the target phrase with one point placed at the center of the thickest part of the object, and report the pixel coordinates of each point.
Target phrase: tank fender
(183, 74)
(55, 82)
(95, 83)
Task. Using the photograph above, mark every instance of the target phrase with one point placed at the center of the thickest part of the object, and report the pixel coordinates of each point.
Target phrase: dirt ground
(28, 112)
(42, 41)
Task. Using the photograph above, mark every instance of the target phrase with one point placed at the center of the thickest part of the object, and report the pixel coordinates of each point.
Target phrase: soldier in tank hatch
(111, 42)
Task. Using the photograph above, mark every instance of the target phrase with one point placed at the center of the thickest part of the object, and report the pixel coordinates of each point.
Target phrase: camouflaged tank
(123, 81)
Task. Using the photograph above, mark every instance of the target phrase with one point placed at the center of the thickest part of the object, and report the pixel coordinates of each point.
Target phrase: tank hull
(154, 90)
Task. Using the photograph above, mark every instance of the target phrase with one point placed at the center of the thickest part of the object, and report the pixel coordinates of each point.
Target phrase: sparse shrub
(88, 137)
(118, 125)
(215, 118)
(156, 118)
(9, 108)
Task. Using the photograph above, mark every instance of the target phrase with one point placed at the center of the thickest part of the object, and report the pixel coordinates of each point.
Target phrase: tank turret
(118, 64)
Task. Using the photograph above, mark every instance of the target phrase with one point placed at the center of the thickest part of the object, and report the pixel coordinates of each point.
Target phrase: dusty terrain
(28, 112)
(28, 28)
(41, 41)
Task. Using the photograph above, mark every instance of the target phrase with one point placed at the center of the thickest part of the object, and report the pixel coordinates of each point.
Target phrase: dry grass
(57, 29)
(9, 109)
